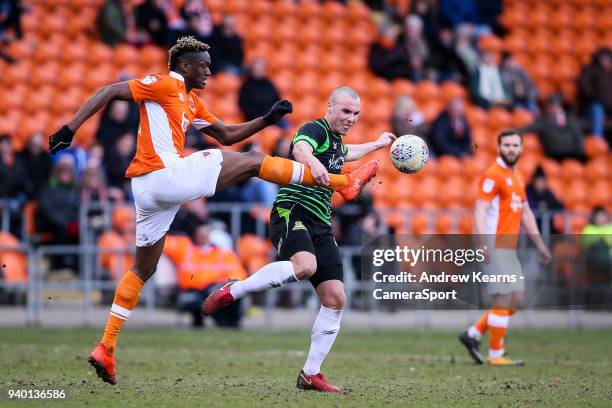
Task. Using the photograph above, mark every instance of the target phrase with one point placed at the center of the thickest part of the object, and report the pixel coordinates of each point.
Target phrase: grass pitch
(166, 368)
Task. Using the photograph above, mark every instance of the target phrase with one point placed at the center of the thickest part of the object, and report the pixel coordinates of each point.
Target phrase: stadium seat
(401, 87)
(251, 250)
(572, 170)
(521, 117)
(598, 169)
(451, 89)
(600, 193)
(595, 146)
(16, 271)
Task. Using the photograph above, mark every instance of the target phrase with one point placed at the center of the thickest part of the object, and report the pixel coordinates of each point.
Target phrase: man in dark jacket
(257, 94)
(226, 48)
(559, 133)
(58, 210)
(541, 199)
(595, 87)
(389, 59)
(15, 185)
(450, 133)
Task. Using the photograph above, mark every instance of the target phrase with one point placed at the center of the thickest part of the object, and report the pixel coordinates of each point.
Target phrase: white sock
(272, 275)
(474, 333)
(324, 332)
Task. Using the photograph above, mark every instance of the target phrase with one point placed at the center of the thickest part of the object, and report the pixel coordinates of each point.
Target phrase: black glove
(61, 139)
(278, 110)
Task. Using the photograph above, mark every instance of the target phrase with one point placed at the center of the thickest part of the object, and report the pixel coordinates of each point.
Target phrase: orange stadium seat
(576, 192)
(284, 9)
(466, 224)
(401, 87)
(531, 144)
(420, 224)
(521, 117)
(475, 116)
(252, 250)
(451, 89)
(572, 170)
(427, 91)
(597, 169)
(561, 17)
(595, 147)
(490, 43)
(17, 266)
(600, 193)
(125, 55)
(499, 118)
(444, 224)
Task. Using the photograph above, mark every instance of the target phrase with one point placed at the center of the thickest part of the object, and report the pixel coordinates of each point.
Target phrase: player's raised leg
(102, 358)
(301, 265)
(240, 166)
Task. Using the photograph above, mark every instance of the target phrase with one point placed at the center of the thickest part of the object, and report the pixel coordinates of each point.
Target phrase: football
(409, 153)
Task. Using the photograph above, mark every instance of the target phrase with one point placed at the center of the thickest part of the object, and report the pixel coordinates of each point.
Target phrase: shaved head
(343, 91)
(343, 109)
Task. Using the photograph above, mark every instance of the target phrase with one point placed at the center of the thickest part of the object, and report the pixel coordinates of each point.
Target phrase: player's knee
(252, 161)
(304, 267)
(333, 299)
(518, 300)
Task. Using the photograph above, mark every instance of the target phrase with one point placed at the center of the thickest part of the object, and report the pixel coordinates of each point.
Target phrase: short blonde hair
(183, 46)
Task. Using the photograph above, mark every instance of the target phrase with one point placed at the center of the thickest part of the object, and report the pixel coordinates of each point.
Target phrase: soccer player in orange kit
(501, 207)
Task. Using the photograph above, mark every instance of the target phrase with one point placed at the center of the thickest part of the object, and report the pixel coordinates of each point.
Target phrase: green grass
(165, 368)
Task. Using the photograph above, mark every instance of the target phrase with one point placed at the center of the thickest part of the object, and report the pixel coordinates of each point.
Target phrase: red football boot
(316, 382)
(104, 363)
(358, 179)
(218, 299)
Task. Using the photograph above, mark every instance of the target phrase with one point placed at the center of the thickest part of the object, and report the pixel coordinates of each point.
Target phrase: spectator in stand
(14, 181)
(202, 268)
(416, 47)
(388, 58)
(559, 133)
(226, 48)
(118, 118)
(112, 24)
(407, 119)
(487, 87)
(6, 9)
(58, 210)
(489, 12)
(455, 12)
(37, 161)
(444, 60)
(13, 21)
(117, 160)
(595, 88)
(257, 93)
(15, 184)
(199, 20)
(465, 47)
(542, 199)
(597, 242)
(150, 17)
(450, 133)
(518, 87)
(427, 11)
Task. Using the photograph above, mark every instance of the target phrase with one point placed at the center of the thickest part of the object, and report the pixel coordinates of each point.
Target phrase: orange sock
(498, 324)
(481, 325)
(126, 298)
(284, 171)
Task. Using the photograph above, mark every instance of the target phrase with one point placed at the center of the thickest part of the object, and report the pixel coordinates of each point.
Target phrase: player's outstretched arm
(63, 137)
(531, 226)
(227, 135)
(357, 151)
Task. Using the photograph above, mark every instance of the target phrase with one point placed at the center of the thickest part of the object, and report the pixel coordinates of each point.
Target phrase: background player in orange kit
(163, 179)
(501, 207)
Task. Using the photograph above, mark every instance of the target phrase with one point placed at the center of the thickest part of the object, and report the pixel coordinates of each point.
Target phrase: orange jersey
(505, 191)
(166, 112)
(198, 268)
